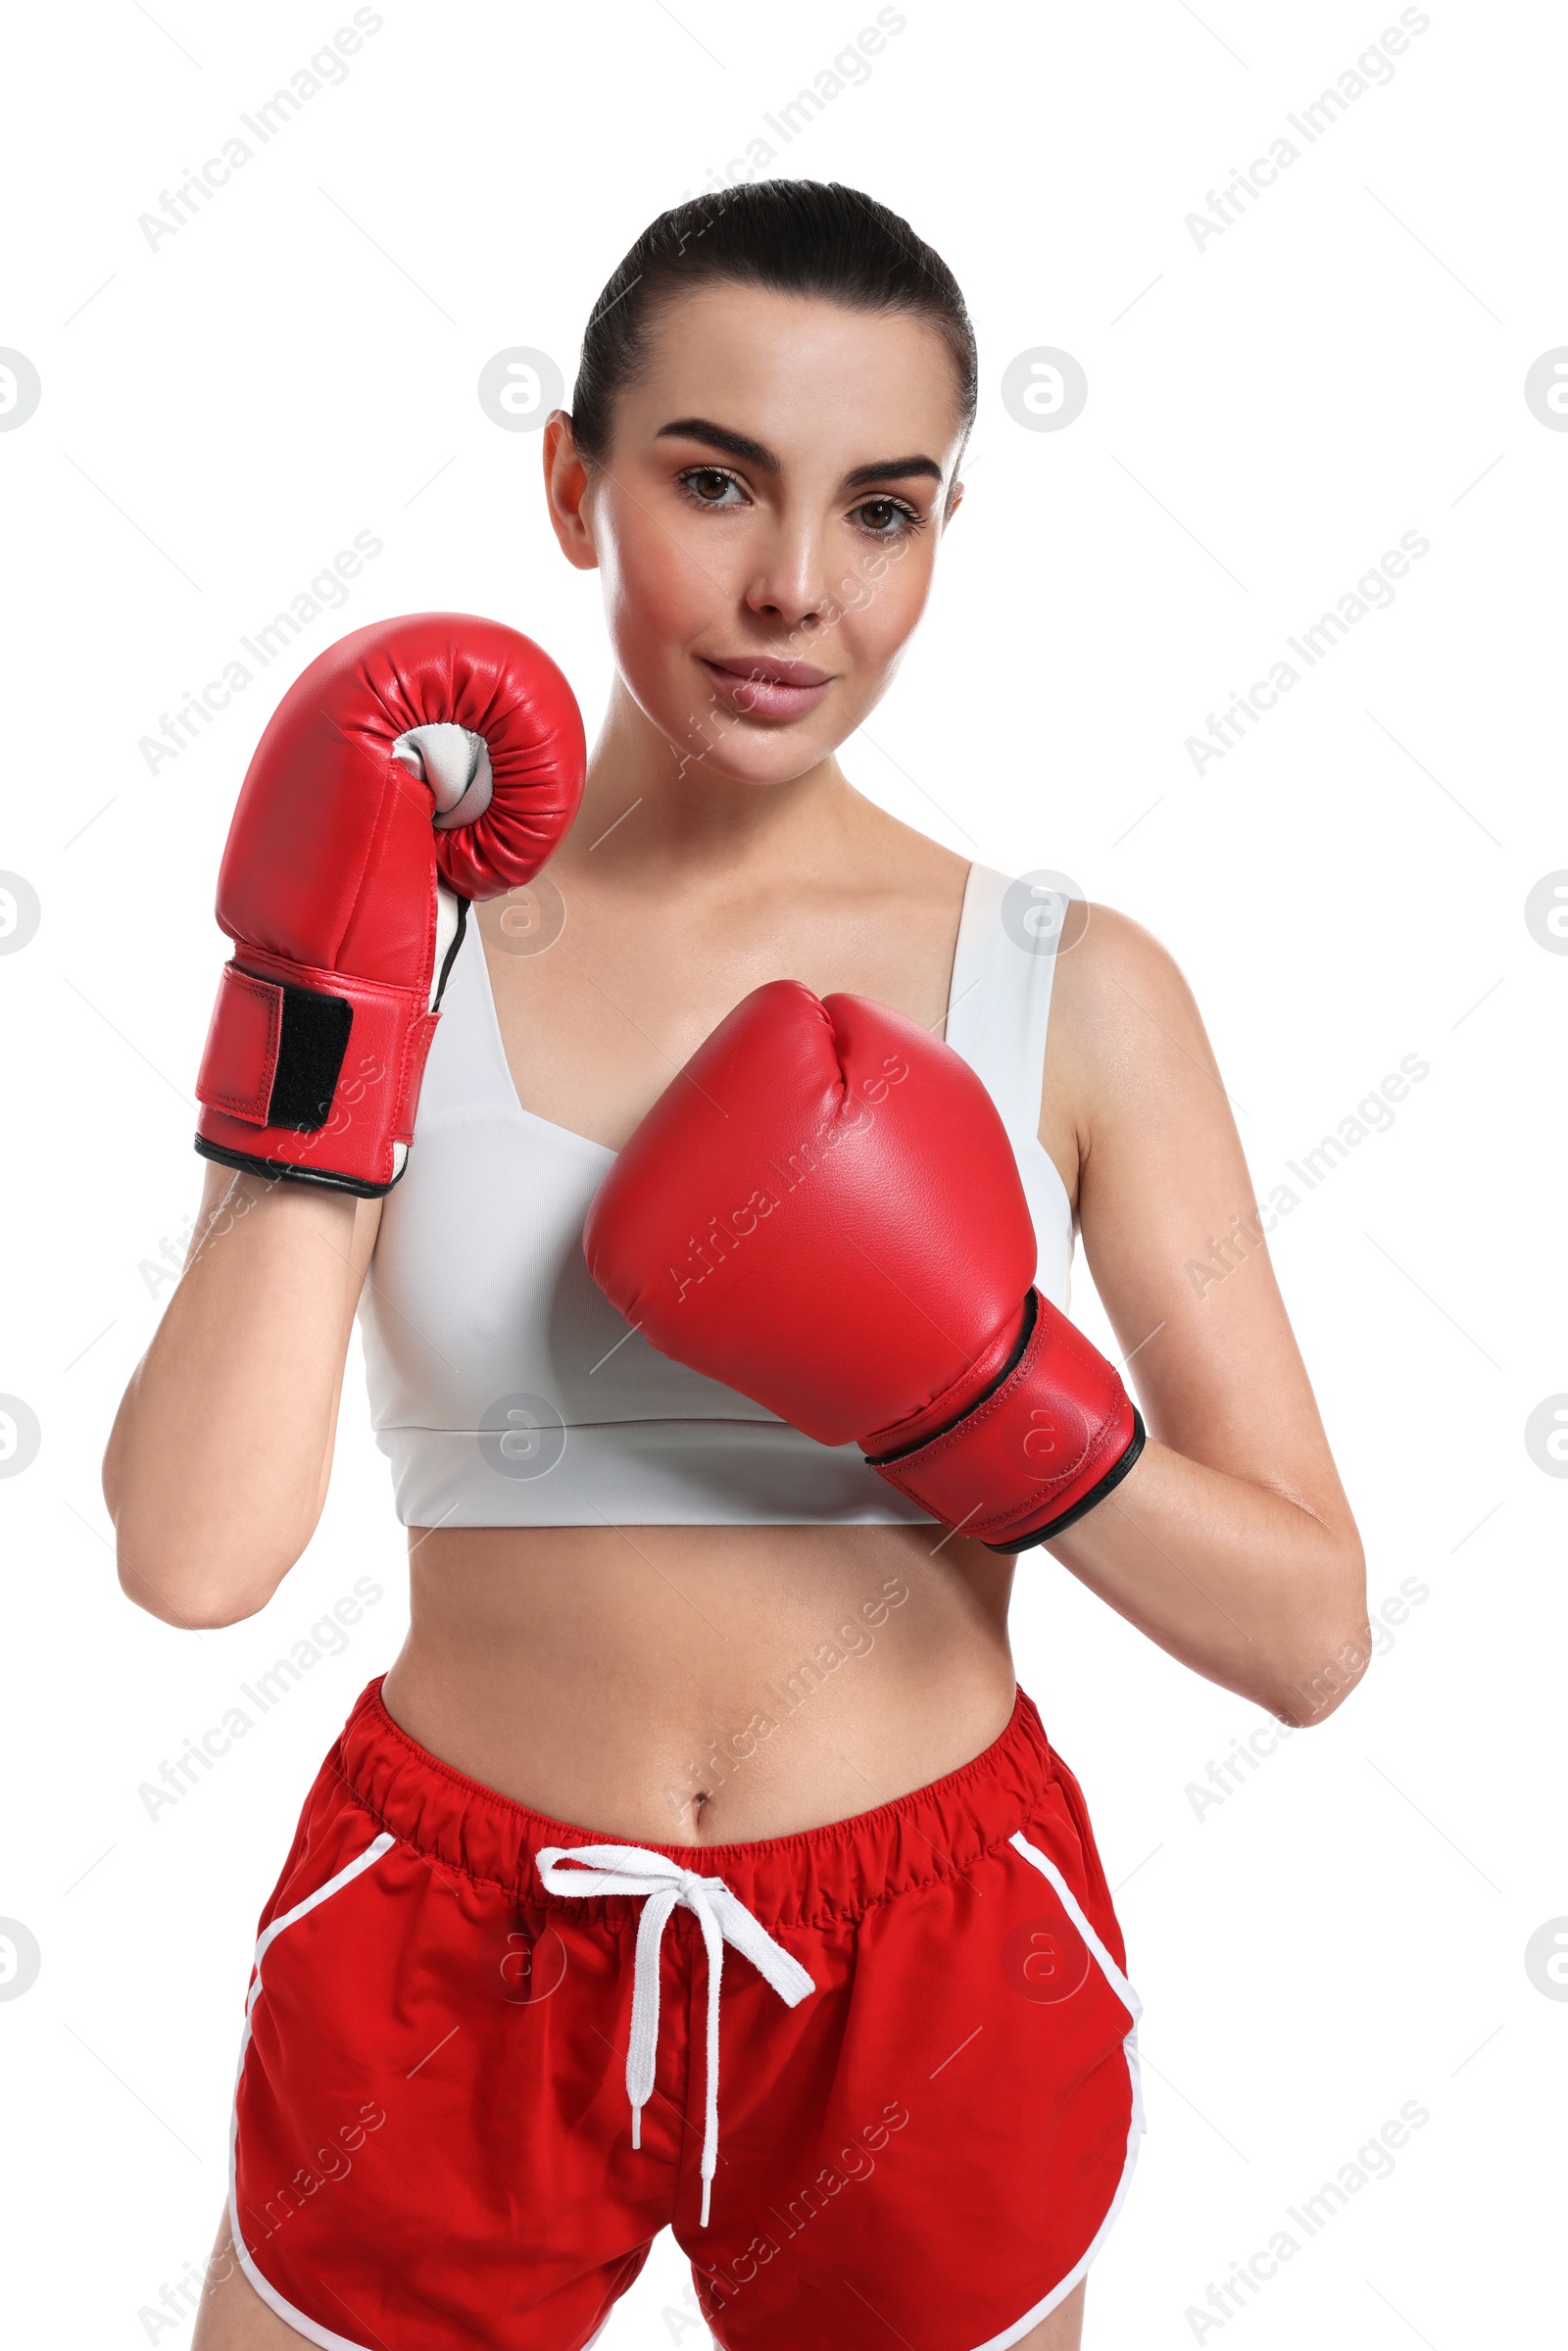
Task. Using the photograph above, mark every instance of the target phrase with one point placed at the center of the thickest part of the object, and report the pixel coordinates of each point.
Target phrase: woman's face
(767, 519)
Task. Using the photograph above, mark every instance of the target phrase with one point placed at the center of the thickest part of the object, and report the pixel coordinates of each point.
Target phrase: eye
(706, 485)
(887, 518)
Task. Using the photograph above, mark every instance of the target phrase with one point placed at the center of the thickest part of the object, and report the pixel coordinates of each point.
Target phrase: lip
(762, 686)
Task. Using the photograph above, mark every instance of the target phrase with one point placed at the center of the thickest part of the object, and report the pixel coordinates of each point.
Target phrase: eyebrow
(758, 453)
(893, 469)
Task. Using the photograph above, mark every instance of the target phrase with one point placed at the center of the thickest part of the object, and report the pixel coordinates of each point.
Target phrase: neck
(652, 810)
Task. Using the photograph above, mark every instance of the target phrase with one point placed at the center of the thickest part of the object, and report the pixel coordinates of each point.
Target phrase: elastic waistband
(819, 1875)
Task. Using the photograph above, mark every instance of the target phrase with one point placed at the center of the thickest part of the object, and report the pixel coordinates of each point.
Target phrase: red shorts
(893, 2059)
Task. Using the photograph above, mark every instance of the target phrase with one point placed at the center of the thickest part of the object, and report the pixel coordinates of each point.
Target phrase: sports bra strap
(999, 1003)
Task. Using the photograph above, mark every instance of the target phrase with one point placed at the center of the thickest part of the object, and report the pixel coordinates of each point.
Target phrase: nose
(789, 582)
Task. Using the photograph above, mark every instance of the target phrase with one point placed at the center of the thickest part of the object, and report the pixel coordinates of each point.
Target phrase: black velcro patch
(309, 1059)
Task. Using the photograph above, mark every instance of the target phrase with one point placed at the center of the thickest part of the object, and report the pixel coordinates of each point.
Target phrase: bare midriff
(704, 1684)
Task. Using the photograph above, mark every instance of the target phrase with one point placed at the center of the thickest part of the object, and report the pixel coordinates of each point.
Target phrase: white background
(1266, 414)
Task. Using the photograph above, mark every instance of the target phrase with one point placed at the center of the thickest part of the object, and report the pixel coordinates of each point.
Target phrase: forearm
(1246, 1587)
(215, 1467)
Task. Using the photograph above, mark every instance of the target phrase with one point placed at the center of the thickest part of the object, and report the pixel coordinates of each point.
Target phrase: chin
(760, 757)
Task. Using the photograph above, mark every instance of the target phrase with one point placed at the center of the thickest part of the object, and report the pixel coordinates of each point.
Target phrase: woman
(647, 1616)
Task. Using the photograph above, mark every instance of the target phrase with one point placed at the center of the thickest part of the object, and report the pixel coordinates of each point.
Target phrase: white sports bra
(507, 1391)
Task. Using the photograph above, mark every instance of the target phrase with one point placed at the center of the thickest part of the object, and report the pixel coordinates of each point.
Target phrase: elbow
(194, 1557)
(1328, 1657)
(188, 1611)
(1320, 1677)
(1316, 1694)
(194, 1597)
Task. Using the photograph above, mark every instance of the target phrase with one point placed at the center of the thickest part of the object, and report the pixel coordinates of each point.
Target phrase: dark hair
(793, 236)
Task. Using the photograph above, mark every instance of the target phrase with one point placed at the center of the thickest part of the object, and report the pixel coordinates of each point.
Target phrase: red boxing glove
(417, 764)
(823, 1212)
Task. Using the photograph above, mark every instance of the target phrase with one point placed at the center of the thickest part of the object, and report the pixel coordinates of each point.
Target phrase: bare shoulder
(1125, 1035)
(1116, 982)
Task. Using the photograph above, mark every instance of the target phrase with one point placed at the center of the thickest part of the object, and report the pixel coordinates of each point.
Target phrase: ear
(954, 500)
(566, 488)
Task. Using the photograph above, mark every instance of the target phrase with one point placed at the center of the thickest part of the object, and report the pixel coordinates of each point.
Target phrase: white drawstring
(722, 1917)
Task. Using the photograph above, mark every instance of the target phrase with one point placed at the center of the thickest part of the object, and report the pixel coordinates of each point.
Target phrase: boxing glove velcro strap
(274, 1051)
(313, 1074)
(1049, 1438)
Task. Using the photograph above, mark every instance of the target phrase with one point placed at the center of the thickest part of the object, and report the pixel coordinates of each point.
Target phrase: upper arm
(1170, 1225)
